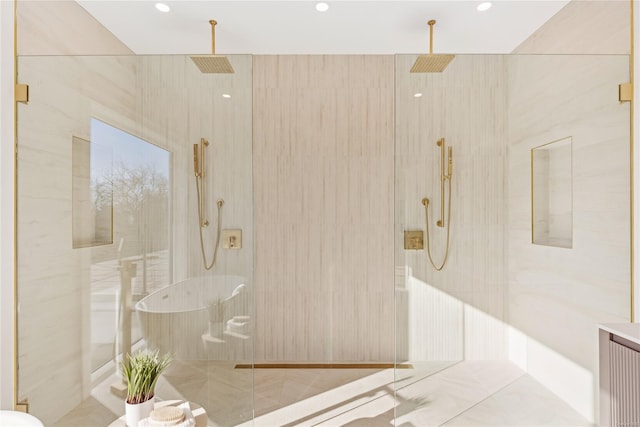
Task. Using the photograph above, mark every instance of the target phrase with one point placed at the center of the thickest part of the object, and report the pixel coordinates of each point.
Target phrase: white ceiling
(295, 27)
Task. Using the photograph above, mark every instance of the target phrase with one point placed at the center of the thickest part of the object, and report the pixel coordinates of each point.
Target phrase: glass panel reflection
(81, 309)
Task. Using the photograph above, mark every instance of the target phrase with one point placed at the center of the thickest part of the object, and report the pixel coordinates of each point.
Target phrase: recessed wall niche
(551, 194)
(92, 195)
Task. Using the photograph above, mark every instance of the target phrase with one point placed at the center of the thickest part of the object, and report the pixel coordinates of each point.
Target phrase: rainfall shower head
(432, 63)
(212, 63)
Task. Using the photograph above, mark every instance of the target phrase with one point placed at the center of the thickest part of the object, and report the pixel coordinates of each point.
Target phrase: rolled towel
(167, 416)
(239, 324)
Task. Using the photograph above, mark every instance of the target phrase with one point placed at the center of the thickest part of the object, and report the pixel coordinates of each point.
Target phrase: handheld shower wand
(425, 202)
(443, 178)
(199, 172)
(196, 163)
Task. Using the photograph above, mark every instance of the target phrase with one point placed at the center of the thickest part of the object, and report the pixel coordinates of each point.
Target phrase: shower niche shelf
(552, 194)
(92, 195)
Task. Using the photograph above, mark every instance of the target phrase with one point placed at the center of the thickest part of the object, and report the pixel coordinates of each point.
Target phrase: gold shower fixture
(199, 170)
(213, 63)
(432, 63)
(444, 178)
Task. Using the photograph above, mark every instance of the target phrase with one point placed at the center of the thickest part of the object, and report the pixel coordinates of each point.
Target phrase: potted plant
(141, 373)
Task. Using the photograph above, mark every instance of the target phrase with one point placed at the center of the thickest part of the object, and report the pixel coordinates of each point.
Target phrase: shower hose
(426, 204)
(219, 203)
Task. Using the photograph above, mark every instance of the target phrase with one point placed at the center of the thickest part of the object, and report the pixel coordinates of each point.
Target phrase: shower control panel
(414, 240)
(232, 239)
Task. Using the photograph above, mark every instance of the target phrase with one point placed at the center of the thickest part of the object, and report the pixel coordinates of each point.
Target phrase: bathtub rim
(242, 280)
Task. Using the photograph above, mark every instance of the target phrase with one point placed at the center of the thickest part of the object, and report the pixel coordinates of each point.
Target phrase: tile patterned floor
(470, 393)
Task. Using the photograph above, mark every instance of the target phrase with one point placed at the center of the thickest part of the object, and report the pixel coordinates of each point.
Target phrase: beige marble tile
(326, 393)
(524, 402)
(579, 28)
(89, 413)
(448, 393)
(589, 283)
(469, 393)
(156, 99)
(53, 295)
(323, 179)
(466, 105)
(63, 28)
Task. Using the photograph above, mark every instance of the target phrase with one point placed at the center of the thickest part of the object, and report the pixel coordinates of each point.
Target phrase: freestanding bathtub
(185, 318)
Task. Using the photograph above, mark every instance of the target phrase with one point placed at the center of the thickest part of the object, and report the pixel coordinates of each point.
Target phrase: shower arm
(213, 23)
(431, 23)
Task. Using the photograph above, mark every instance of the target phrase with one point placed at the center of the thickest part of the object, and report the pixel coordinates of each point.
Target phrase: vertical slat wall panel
(625, 385)
(458, 312)
(323, 173)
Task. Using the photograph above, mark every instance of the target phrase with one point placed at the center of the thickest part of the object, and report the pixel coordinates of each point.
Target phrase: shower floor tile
(524, 402)
(470, 393)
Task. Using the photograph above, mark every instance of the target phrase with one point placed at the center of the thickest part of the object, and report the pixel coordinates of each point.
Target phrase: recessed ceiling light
(162, 7)
(322, 7)
(226, 95)
(486, 5)
(417, 95)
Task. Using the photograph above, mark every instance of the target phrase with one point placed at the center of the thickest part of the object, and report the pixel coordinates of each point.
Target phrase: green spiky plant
(142, 372)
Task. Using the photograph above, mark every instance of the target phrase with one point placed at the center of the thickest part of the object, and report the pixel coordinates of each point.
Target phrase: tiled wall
(557, 296)
(179, 105)
(53, 330)
(309, 241)
(323, 170)
(53, 292)
(164, 100)
(458, 312)
(583, 27)
(63, 27)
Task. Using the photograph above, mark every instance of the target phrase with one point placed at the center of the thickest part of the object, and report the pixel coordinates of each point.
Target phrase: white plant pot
(138, 411)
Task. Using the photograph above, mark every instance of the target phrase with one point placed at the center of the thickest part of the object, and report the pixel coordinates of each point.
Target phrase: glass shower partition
(480, 299)
(438, 118)
(110, 247)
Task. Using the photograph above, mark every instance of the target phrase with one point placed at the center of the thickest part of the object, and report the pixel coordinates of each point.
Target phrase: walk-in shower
(337, 157)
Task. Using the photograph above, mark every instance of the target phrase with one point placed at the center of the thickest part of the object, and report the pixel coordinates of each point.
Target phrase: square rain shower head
(432, 63)
(212, 64)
